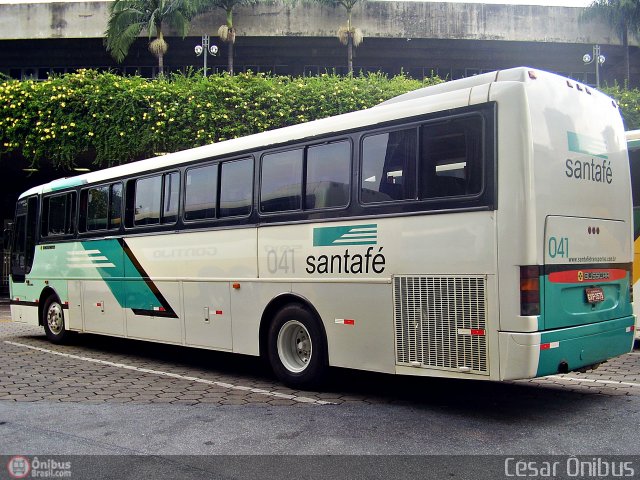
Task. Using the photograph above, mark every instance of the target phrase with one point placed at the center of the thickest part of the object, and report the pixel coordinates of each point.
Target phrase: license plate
(594, 295)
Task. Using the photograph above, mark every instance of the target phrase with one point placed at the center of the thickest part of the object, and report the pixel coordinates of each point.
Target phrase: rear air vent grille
(440, 322)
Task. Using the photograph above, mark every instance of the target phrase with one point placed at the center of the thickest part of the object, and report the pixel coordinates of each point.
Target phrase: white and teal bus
(480, 228)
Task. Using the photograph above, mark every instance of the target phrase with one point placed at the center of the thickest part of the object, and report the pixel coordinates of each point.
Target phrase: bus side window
(200, 192)
(388, 166)
(281, 181)
(147, 201)
(236, 188)
(171, 197)
(97, 208)
(156, 199)
(327, 175)
(451, 163)
(59, 214)
(101, 208)
(115, 206)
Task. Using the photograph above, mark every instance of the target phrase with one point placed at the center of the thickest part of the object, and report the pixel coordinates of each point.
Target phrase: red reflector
(479, 332)
(633, 327)
(218, 312)
(545, 346)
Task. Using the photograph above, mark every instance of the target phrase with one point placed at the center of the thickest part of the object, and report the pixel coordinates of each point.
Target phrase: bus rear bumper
(528, 355)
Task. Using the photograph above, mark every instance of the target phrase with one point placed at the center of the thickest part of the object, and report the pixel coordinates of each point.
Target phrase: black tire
(297, 348)
(53, 321)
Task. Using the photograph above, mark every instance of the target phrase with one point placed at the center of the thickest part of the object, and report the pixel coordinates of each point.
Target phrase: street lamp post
(207, 50)
(597, 59)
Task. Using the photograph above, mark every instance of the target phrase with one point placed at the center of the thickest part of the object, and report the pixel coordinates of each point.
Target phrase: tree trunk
(625, 44)
(350, 52)
(231, 39)
(230, 58)
(349, 43)
(160, 64)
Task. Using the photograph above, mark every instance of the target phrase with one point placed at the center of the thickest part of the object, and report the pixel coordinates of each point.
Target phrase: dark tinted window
(115, 206)
(102, 207)
(281, 182)
(24, 238)
(328, 174)
(59, 216)
(200, 193)
(236, 188)
(452, 154)
(97, 208)
(171, 197)
(389, 166)
(147, 200)
(448, 163)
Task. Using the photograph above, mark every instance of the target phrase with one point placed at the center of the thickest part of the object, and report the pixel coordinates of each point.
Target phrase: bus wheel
(53, 320)
(297, 348)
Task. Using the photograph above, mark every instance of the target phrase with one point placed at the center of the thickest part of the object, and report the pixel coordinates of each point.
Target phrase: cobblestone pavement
(96, 369)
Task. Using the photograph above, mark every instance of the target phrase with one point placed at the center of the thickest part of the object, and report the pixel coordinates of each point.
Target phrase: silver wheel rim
(55, 320)
(294, 346)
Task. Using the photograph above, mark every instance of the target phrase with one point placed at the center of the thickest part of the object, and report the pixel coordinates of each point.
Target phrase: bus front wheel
(297, 348)
(53, 320)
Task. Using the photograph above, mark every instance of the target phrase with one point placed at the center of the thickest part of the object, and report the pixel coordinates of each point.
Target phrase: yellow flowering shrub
(113, 119)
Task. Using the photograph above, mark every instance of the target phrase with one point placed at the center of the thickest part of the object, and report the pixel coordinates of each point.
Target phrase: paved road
(113, 396)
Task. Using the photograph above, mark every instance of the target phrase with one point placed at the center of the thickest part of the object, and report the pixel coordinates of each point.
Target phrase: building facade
(419, 38)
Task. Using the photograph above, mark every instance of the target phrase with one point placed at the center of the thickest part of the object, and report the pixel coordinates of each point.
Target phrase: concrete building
(452, 39)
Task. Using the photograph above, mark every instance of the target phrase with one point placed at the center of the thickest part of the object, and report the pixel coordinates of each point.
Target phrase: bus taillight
(530, 290)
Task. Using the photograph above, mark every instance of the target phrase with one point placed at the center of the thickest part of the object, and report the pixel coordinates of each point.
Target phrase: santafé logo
(345, 235)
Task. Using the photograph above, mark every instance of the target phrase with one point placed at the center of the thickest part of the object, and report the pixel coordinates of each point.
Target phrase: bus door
(24, 238)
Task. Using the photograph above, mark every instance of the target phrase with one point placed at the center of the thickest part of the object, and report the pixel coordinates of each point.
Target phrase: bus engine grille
(440, 322)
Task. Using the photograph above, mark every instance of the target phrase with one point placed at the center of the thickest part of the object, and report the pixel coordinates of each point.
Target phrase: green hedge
(114, 119)
(629, 102)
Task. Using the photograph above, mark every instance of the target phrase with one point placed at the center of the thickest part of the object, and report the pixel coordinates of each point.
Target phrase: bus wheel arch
(52, 317)
(294, 342)
(44, 296)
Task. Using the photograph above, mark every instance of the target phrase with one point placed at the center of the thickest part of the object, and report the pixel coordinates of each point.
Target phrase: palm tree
(128, 18)
(622, 16)
(226, 32)
(347, 34)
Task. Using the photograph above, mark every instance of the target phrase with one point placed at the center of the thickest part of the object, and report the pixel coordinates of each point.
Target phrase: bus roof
(402, 106)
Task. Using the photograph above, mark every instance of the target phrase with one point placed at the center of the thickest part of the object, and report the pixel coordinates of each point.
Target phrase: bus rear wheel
(53, 321)
(297, 348)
